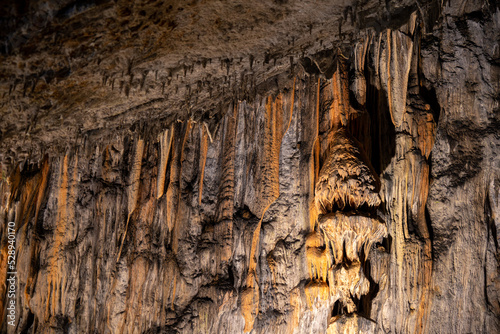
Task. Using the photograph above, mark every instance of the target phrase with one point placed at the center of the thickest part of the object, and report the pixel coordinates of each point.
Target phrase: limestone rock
(249, 166)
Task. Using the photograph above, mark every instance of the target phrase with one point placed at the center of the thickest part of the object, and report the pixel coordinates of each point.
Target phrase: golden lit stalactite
(319, 261)
(394, 65)
(425, 299)
(53, 279)
(133, 187)
(418, 202)
(411, 186)
(426, 132)
(316, 290)
(292, 101)
(314, 168)
(385, 74)
(5, 188)
(296, 305)
(348, 283)
(173, 185)
(22, 197)
(134, 178)
(176, 227)
(349, 235)
(9, 187)
(341, 238)
(358, 86)
(250, 296)
(272, 143)
(319, 256)
(43, 177)
(226, 195)
(42, 186)
(340, 113)
(165, 140)
(56, 278)
(139, 267)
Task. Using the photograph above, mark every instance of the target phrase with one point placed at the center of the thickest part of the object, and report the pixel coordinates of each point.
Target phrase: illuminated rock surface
(251, 166)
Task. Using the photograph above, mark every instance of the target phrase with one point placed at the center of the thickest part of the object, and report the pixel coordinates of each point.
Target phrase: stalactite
(226, 196)
(395, 62)
(346, 197)
(426, 276)
(176, 226)
(204, 148)
(56, 276)
(41, 194)
(358, 86)
(173, 185)
(339, 109)
(165, 140)
(315, 153)
(318, 256)
(346, 179)
(133, 187)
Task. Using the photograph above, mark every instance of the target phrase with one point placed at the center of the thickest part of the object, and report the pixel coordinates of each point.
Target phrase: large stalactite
(250, 167)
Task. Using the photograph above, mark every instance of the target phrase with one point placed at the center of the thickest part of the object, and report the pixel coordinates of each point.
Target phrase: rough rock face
(250, 166)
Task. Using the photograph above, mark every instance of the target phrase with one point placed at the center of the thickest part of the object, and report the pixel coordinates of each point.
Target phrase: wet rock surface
(253, 166)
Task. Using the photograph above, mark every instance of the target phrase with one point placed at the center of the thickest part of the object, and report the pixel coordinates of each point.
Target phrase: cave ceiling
(94, 69)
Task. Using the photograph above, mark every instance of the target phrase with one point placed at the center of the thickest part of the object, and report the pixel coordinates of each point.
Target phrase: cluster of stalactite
(346, 199)
(138, 234)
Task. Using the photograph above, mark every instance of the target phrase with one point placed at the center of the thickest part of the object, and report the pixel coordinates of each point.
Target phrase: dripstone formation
(250, 166)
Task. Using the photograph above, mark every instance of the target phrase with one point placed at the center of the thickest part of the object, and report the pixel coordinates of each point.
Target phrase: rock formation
(250, 166)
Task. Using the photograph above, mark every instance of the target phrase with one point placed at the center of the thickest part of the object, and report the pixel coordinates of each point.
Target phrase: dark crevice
(429, 96)
(309, 66)
(385, 244)
(491, 232)
(354, 210)
(366, 300)
(28, 326)
(382, 131)
(363, 304)
(431, 232)
(338, 310)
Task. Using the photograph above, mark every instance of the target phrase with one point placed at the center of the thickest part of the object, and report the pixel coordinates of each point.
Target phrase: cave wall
(202, 222)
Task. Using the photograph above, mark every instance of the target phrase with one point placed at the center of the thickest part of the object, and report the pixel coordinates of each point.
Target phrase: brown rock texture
(250, 166)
